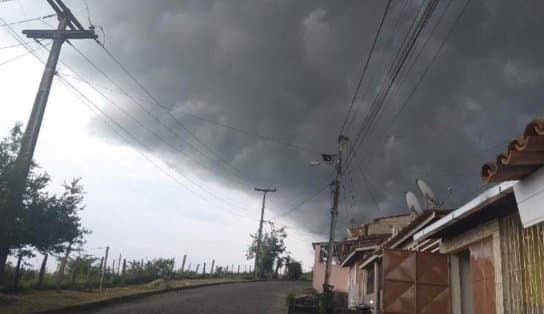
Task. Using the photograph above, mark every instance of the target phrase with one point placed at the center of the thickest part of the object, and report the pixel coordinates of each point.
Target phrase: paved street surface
(240, 298)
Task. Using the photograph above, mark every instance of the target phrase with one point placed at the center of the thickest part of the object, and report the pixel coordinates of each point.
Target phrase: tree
(48, 223)
(294, 270)
(272, 247)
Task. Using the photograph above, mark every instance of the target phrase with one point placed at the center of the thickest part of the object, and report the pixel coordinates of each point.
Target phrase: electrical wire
(39, 18)
(81, 95)
(173, 117)
(389, 80)
(365, 66)
(426, 71)
(15, 45)
(301, 203)
(20, 56)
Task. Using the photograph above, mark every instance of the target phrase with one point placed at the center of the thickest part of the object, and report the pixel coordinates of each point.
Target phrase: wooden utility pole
(259, 236)
(104, 266)
(342, 141)
(17, 176)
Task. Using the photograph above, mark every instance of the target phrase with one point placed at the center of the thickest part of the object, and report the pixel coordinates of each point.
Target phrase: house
(366, 236)
(367, 267)
(495, 242)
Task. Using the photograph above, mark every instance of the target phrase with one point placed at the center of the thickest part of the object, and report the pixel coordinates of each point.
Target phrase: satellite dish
(413, 203)
(427, 193)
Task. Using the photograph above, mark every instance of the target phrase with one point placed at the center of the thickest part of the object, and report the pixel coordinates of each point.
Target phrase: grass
(41, 300)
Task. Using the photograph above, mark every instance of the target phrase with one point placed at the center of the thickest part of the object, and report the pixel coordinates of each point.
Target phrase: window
(369, 275)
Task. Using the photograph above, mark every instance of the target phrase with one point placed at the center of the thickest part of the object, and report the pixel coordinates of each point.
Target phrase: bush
(294, 270)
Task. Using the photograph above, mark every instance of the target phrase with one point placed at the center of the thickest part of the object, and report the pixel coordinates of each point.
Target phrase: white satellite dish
(427, 194)
(413, 203)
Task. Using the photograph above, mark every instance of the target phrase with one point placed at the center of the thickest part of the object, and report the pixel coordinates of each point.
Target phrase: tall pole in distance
(342, 140)
(68, 28)
(259, 236)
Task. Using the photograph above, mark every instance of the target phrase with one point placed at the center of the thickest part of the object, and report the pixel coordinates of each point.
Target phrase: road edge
(131, 297)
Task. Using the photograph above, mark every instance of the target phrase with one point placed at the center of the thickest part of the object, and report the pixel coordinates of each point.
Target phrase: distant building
(367, 235)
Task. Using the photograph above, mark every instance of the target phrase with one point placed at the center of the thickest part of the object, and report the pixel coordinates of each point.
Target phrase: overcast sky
(281, 70)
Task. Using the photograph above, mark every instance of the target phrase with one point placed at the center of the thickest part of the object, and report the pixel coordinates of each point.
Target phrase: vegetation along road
(253, 297)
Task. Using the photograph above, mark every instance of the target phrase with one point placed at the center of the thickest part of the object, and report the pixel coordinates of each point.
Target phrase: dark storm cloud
(287, 69)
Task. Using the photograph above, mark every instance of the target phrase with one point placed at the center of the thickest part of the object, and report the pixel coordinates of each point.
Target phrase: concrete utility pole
(19, 174)
(258, 252)
(342, 141)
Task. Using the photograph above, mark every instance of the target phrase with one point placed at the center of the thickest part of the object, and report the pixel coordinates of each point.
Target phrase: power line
(389, 80)
(167, 110)
(426, 71)
(306, 200)
(15, 45)
(39, 18)
(365, 66)
(80, 95)
(248, 133)
(21, 55)
(111, 122)
(146, 111)
(97, 68)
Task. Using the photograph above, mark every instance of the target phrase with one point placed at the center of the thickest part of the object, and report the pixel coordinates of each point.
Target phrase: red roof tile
(523, 156)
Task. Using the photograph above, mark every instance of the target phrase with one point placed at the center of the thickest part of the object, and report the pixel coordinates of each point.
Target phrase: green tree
(48, 223)
(294, 270)
(272, 247)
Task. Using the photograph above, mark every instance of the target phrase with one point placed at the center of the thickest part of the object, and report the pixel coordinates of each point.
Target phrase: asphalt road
(240, 298)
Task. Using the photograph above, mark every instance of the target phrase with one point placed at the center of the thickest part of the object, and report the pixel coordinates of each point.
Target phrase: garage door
(415, 283)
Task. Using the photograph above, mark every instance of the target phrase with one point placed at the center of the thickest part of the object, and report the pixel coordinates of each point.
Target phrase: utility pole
(19, 174)
(258, 252)
(342, 141)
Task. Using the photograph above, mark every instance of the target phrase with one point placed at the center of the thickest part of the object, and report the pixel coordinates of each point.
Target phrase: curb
(131, 297)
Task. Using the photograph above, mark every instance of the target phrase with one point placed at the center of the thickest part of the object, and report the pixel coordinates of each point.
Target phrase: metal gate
(415, 283)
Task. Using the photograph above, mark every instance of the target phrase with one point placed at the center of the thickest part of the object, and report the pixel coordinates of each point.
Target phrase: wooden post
(60, 274)
(88, 274)
(211, 269)
(104, 266)
(112, 271)
(119, 265)
(74, 271)
(124, 271)
(183, 263)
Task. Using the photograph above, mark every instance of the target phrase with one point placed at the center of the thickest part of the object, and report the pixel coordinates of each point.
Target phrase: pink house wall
(339, 275)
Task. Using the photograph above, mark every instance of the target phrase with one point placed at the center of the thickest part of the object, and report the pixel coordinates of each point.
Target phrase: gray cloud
(287, 69)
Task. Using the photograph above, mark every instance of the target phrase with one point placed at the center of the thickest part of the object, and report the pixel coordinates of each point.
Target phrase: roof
(358, 252)
(422, 220)
(522, 157)
(489, 204)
